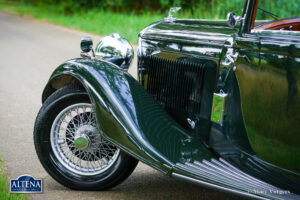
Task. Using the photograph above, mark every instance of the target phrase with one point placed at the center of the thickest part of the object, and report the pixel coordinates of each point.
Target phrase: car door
(269, 85)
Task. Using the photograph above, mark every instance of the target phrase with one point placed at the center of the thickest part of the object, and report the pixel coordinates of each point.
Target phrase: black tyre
(70, 146)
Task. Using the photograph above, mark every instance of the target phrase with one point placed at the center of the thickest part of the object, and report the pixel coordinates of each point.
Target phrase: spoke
(90, 117)
(75, 122)
(95, 155)
(80, 119)
(78, 161)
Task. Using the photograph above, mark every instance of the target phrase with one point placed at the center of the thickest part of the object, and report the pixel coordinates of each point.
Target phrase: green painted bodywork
(129, 117)
(259, 133)
(277, 56)
(269, 87)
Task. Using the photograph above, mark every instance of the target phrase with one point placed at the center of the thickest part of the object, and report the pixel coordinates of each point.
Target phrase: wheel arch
(119, 102)
(58, 82)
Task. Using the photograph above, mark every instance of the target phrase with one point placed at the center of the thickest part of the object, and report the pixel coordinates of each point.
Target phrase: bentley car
(213, 102)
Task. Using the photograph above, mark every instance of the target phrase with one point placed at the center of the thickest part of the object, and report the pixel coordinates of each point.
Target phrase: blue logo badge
(25, 184)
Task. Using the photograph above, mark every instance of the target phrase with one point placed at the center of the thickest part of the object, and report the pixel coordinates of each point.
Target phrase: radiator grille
(176, 85)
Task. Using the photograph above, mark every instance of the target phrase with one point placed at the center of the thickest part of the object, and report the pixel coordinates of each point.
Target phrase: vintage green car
(215, 103)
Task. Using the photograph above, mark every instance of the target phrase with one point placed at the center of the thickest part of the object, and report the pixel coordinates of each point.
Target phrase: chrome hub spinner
(83, 135)
(81, 141)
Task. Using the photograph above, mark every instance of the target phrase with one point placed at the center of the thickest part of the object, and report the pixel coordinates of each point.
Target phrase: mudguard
(129, 117)
(132, 120)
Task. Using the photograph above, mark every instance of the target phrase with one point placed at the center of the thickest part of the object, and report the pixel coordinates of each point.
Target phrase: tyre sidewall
(50, 109)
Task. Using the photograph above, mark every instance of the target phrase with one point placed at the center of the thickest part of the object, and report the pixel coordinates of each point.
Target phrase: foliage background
(216, 9)
(129, 17)
(191, 7)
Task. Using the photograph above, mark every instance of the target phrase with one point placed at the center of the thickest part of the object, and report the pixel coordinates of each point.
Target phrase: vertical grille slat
(175, 84)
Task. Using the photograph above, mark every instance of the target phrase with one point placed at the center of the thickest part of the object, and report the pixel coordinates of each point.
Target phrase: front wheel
(70, 146)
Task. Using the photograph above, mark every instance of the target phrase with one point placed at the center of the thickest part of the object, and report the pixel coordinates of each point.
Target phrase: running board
(220, 174)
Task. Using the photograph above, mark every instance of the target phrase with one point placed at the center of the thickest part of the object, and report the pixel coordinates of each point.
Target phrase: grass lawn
(93, 21)
(4, 185)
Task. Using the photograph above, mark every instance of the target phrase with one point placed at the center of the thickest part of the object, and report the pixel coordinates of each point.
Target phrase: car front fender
(128, 116)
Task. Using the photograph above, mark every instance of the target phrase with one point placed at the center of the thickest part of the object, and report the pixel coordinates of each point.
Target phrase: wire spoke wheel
(70, 146)
(77, 143)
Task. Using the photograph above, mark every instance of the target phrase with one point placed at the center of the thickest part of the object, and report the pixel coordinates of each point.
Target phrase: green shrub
(190, 8)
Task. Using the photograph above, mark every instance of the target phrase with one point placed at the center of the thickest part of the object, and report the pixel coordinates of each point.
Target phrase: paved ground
(29, 52)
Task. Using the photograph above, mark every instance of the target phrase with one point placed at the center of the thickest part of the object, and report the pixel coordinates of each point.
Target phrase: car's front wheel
(70, 147)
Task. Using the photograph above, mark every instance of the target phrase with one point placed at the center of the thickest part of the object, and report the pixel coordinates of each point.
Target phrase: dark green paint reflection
(271, 108)
(130, 118)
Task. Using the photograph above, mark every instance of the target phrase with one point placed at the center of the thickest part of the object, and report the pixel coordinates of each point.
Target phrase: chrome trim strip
(213, 186)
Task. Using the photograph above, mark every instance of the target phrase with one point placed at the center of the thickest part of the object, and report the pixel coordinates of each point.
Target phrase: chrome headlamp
(116, 49)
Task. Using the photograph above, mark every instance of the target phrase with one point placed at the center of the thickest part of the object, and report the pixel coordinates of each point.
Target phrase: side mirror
(86, 44)
(233, 20)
